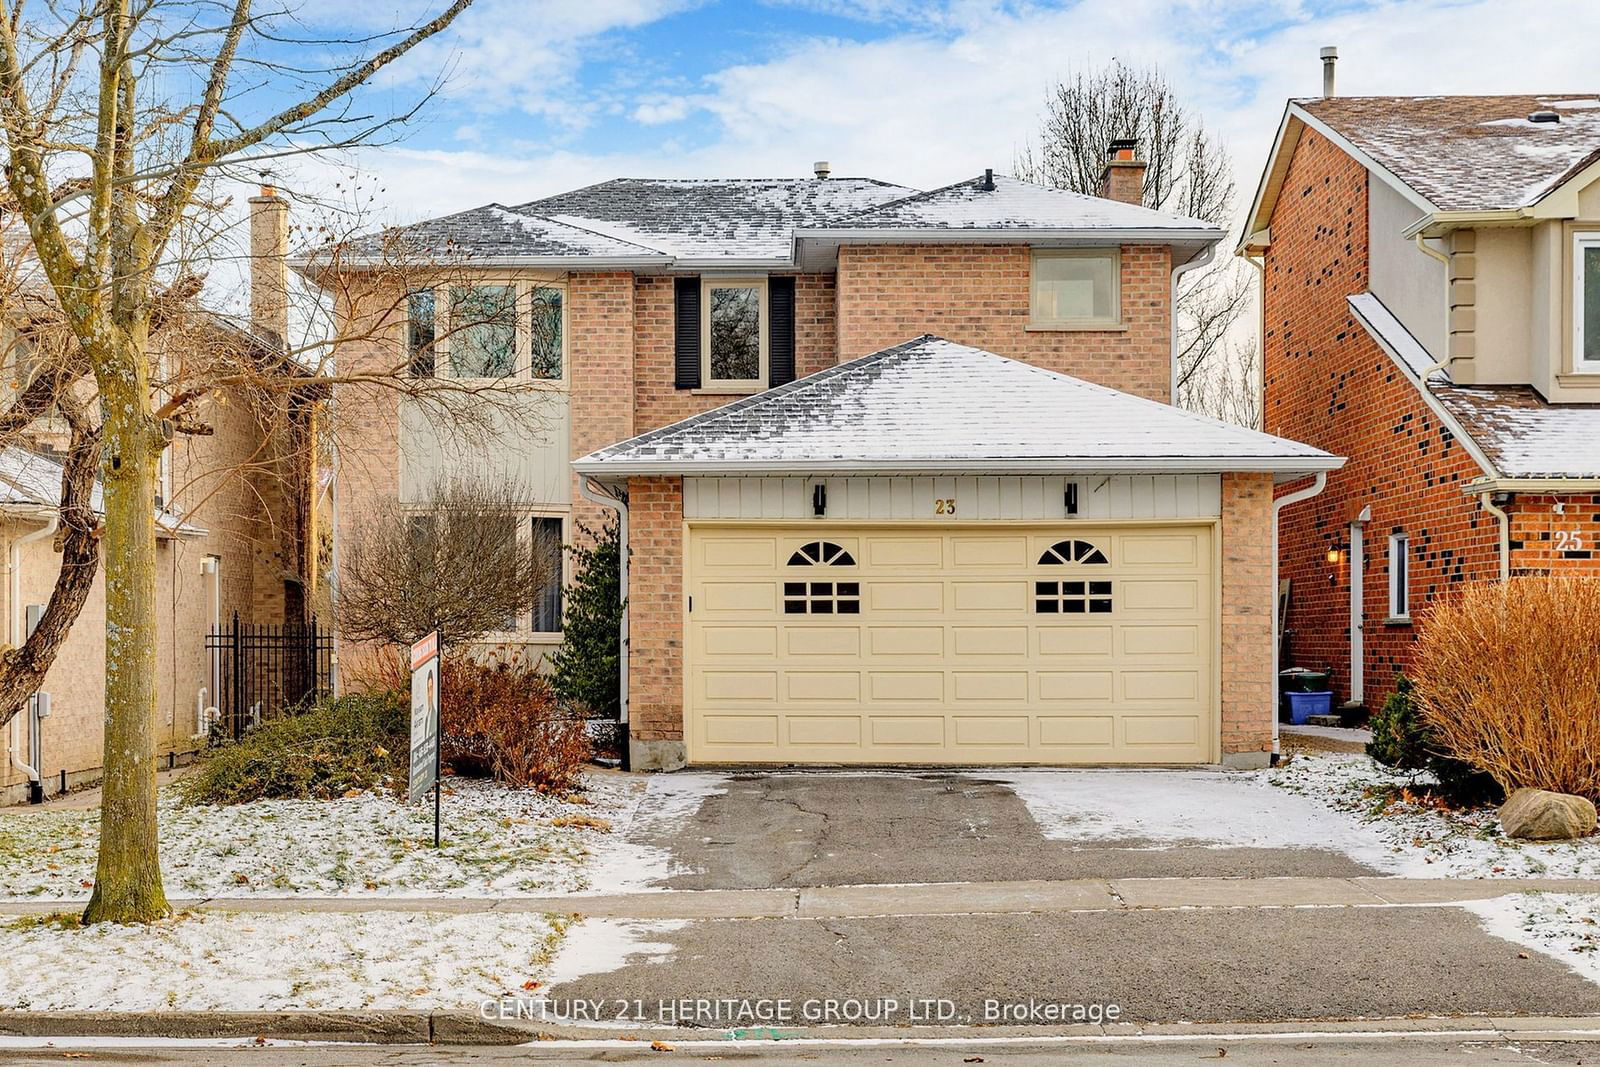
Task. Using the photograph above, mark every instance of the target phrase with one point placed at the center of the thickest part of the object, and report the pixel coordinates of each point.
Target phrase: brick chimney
(269, 266)
(1123, 178)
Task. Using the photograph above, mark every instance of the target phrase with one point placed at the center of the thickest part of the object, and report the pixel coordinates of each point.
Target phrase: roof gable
(931, 404)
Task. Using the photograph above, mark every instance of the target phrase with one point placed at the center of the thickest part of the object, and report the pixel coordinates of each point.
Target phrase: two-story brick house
(1431, 309)
(900, 476)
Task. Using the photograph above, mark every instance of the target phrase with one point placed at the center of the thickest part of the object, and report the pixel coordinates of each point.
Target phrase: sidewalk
(951, 898)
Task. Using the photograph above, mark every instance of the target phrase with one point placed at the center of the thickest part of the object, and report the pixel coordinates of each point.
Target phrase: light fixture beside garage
(819, 500)
(1071, 501)
(1334, 555)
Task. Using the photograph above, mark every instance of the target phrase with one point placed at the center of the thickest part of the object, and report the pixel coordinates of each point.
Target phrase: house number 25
(944, 506)
(1569, 541)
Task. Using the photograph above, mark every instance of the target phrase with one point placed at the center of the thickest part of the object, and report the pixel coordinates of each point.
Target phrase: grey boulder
(1540, 815)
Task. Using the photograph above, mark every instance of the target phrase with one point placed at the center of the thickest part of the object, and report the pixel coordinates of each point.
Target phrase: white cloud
(656, 112)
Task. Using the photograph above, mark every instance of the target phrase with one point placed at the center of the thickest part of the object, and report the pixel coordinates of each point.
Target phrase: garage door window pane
(1072, 598)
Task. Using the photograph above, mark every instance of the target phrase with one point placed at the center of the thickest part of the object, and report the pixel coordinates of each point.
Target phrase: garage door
(983, 644)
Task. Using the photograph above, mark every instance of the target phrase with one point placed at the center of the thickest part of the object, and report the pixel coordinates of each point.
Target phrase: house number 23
(944, 506)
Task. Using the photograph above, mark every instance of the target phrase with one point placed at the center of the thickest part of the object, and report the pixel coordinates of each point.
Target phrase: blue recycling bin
(1304, 705)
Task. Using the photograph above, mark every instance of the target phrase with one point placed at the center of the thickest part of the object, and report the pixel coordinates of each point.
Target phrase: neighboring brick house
(236, 536)
(853, 541)
(1431, 310)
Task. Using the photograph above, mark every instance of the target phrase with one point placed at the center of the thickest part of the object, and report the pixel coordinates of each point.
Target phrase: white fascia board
(1440, 222)
(1434, 403)
(1540, 486)
(1292, 465)
(1253, 222)
(1420, 202)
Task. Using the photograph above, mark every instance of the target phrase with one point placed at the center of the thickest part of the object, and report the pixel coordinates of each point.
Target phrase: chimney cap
(1122, 148)
(1329, 52)
(822, 168)
(987, 185)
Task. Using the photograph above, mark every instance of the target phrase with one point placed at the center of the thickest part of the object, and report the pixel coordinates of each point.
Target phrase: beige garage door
(982, 644)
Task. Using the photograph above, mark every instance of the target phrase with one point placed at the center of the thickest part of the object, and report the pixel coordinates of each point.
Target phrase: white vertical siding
(1100, 497)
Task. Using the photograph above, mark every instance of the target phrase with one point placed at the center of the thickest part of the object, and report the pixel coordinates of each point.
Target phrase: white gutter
(14, 622)
(1011, 234)
(592, 491)
(1196, 262)
(1486, 499)
(1282, 465)
(1277, 638)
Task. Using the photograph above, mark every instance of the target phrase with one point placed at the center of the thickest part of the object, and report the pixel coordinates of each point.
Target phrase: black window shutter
(780, 331)
(686, 333)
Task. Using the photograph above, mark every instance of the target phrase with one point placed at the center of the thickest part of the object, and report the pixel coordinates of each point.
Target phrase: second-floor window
(733, 333)
(1586, 302)
(490, 330)
(1075, 288)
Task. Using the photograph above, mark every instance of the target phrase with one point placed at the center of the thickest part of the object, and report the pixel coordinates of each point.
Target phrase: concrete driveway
(1226, 955)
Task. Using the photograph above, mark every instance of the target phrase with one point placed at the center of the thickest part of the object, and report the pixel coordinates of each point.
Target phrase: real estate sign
(424, 715)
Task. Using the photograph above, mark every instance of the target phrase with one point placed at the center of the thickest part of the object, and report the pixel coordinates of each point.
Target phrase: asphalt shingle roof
(33, 480)
(1469, 153)
(735, 218)
(933, 404)
(498, 232)
(1012, 205)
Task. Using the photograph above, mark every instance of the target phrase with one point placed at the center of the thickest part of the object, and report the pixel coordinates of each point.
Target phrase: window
(1586, 302)
(483, 331)
(1075, 288)
(1399, 576)
(821, 598)
(1072, 598)
(544, 332)
(1072, 552)
(734, 338)
(546, 535)
(419, 333)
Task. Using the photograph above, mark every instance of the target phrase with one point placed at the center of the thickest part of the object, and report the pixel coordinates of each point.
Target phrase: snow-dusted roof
(933, 405)
(32, 480)
(1013, 204)
(499, 233)
(1392, 334)
(712, 218)
(1469, 153)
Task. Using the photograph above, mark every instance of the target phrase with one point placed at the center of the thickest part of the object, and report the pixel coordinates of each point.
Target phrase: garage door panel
(950, 657)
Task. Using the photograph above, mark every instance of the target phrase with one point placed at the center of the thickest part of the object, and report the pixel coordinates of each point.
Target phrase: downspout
(14, 623)
(1428, 250)
(1261, 339)
(1278, 505)
(592, 491)
(1486, 499)
(1172, 310)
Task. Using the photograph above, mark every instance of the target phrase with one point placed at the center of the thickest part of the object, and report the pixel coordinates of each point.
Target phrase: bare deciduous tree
(1187, 172)
(454, 561)
(114, 116)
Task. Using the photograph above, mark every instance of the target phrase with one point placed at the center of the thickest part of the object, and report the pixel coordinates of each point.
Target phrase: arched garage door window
(822, 598)
(1072, 596)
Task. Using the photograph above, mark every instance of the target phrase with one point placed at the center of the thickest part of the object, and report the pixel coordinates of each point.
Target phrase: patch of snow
(497, 841)
(1212, 809)
(214, 961)
(1562, 926)
(599, 946)
(622, 864)
(1580, 102)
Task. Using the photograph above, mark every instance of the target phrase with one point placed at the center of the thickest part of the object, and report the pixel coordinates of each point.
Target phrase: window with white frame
(1586, 302)
(546, 543)
(733, 341)
(1075, 287)
(1399, 576)
(489, 330)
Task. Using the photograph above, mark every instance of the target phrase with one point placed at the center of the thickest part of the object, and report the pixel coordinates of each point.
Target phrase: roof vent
(1544, 115)
(822, 168)
(1329, 56)
(987, 185)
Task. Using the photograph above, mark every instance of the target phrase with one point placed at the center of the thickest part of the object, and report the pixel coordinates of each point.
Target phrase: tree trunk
(127, 885)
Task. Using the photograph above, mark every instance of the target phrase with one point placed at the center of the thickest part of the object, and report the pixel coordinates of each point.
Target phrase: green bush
(354, 742)
(1402, 740)
(584, 668)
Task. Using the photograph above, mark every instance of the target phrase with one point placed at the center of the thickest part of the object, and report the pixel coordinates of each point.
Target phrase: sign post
(425, 723)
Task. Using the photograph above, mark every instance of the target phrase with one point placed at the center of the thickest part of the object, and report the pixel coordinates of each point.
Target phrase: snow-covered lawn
(497, 841)
(1563, 926)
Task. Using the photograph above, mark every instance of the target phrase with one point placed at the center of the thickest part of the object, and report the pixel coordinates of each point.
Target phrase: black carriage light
(819, 499)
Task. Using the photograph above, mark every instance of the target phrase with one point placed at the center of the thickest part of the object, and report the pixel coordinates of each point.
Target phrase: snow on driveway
(1563, 926)
(1332, 802)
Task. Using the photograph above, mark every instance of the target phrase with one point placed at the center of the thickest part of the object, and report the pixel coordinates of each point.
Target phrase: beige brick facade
(655, 654)
(1246, 615)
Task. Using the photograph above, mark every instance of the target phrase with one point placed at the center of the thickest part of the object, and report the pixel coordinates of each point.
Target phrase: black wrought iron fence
(266, 672)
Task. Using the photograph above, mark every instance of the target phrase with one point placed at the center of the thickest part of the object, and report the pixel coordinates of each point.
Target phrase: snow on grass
(1420, 839)
(214, 961)
(623, 864)
(497, 841)
(1161, 809)
(1563, 926)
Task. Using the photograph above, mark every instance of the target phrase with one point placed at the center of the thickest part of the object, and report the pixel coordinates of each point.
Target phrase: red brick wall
(655, 607)
(1545, 540)
(657, 402)
(1329, 384)
(978, 295)
(1246, 614)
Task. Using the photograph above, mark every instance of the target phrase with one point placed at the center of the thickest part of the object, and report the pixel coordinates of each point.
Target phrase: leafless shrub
(1507, 680)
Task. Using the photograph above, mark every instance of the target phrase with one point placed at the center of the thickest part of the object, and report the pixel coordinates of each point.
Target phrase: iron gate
(266, 672)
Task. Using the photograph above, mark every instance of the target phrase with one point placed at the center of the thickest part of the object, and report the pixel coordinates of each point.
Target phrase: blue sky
(546, 96)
